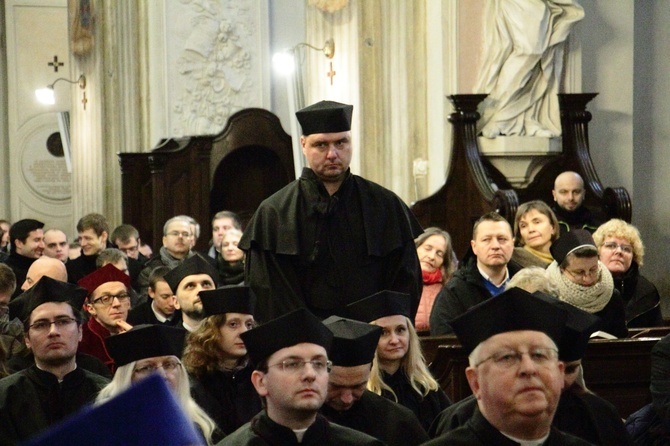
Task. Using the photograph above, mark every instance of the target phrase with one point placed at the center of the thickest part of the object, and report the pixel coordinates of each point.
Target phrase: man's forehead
(195, 278)
(513, 339)
(328, 136)
(178, 224)
(223, 221)
(51, 309)
(110, 287)
(488, 227)
(350, 375)
(55, 235)
(302, 350)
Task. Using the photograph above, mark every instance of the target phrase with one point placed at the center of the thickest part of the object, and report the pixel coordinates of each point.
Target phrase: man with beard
(569, 194)
(349, 403)
(290, 358)
(54, 387)
(193, 275)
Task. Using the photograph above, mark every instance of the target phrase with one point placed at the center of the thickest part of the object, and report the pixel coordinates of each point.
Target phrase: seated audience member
(399, 371)
(222, 222)
(535, 229)
(161, 307)
(621, 251)
(146, 350)
(216, 358)
(482, 276)
(44, 266)
(195, 228)
(514, 372)
(107, 303)
(583, 281)
(56, 245)
(177, 235)
(291, 366)
(438, 263)
(75, 250)
(26, 245)
(230, 259)
(569, 194)
(579, 412)
(193, 275)
(4, 236)
(121, 261)
(11, 331)
(127, 239)
(145, 250)
(93, 230)
(349, 403)
(53, 387)
(651, 424)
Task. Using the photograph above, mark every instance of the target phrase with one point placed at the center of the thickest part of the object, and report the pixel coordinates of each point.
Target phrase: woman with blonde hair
(535, 229)
(148, 349)
(438, 263)
(217, 361)
(622, 252)
(399, 371)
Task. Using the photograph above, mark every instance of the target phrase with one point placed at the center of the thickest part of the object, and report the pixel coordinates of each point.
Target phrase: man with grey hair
(514, 371)
(177, 247)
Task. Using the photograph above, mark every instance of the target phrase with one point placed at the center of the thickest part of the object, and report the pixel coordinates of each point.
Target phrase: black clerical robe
(378, 417)
(261, 430)
(306, 248)
(32, 400)
(425, 408)
(478, 431)
(227, 396)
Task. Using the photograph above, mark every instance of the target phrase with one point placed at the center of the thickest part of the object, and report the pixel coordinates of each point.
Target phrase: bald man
(569, 194)
(56, 245)
(44, 266)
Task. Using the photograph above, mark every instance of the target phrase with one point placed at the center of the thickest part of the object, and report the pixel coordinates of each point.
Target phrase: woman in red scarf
(438, 263)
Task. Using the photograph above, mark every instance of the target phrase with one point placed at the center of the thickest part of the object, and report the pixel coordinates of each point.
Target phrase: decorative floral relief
(216, 66)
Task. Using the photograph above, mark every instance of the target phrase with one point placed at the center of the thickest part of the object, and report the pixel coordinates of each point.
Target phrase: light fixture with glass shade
(47, 96)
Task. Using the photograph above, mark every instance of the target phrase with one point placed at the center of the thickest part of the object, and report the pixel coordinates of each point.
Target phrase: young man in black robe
(290, 355)
(349, 403)
(54, 387)
(330, 237)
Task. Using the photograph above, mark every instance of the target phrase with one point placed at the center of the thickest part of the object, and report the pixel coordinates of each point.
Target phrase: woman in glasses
(217, 361)
(621, 251)
(399, 371)
(148, 349)
(586, 283)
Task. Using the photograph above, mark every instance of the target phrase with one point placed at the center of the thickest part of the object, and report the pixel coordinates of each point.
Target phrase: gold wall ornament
(329, 5)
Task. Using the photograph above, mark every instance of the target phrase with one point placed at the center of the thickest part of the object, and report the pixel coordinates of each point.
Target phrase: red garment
(428, 295)
(93, 343)
(430, 278)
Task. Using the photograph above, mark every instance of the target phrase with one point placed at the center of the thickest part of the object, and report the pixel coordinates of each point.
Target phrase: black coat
(425, 408)
(385, 420)
(143, 314)
(613, 316)
(80, 267)
(323, 252)
(643, 303)
(32, 400)
(261, 430)
(478, 431)
(20, 265)
(463, 291)
(228, 397)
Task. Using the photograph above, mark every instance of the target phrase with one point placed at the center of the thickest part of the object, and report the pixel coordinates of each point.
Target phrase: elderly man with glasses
(107, 302)
(290, 358)
(54, 387)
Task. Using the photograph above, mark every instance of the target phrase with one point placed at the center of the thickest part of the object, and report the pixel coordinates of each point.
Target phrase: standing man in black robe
(54, 387)
(329, 238)
(349, 403)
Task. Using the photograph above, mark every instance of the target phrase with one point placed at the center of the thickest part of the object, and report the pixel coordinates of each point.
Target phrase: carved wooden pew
(618, 370)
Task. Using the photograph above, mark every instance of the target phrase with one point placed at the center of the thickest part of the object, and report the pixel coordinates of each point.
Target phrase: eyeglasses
(612, 246)
(179, 234)
(44, 325)
(581, 275)
(169, 367)
(298, 365)
(107, 299)
(129, 250)
(507, 359)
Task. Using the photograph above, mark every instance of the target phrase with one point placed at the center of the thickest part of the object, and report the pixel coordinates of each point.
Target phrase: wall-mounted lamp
(284, 61)
(47, 96)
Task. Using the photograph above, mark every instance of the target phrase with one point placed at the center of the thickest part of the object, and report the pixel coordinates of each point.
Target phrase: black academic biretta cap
(570, 241)
(325, 117)
(47, 290)
(381, 304)
(108, 273)
(193, 265)
(288, 330)
(578, 329)
(354, 342)
(145, 341)
(146, 413)
(513, 310)
(228, 299)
